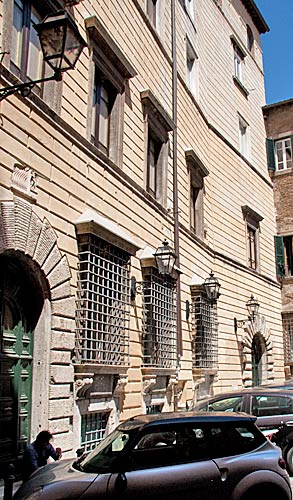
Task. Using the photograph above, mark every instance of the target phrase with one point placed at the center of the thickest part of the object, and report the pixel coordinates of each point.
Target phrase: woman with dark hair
(37, 453)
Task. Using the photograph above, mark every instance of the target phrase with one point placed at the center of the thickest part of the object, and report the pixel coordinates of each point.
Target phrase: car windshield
(102, 458)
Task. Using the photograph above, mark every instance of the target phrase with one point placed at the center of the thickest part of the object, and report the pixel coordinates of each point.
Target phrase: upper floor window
(250, 39)
(104, 96)
(189, 5)
(103, 301)
(191, 68)
(197, 173)
(159, 320)
(243, 136)
(26, 55)
(158, 124)
(152, 8)
(252, 220)
(284, 255)
(238, 63)
(283, 154)
(109, 72)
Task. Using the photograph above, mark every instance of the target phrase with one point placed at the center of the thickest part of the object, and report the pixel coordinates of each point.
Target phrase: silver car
(174, 456)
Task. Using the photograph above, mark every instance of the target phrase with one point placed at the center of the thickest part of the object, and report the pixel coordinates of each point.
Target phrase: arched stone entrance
(33, 277)
(257, 359)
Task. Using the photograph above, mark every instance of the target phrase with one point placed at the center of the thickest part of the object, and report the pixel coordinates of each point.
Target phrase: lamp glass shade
(212, 287)
(165, 258)
(60, 40)
(252, 306)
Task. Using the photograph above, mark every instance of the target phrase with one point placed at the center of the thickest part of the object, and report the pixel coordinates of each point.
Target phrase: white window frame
(191, 67)
(238, 63)
(189, 6)
(243, 136)
(283, 163)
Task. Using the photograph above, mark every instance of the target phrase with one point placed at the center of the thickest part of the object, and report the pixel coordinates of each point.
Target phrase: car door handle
(121, 482)
(224, 474)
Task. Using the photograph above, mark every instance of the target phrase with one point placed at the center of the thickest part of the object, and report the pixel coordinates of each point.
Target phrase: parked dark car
(170, 456)
(272, 407)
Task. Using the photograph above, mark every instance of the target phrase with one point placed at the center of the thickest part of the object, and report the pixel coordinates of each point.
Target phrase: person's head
(43, 439)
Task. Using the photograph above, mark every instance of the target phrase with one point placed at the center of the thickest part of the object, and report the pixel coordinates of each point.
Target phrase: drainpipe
(175, 187)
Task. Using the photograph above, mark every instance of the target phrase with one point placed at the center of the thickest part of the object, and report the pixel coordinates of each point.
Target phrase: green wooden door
(15, 382)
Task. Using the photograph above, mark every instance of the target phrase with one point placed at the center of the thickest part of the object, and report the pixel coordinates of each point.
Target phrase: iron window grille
(103, 303)
(288, 338)
(205, 333)
(159, 320)
(93, 429)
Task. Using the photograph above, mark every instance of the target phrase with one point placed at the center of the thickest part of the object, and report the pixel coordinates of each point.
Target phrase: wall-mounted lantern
(165, 258)
(212, 287)
(61, 45)
(252, 306)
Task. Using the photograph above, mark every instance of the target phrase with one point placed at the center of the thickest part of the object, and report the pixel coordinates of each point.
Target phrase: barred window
(93, 428)
(103, 303)
(205, 329)
(159, 320)
(288, 338)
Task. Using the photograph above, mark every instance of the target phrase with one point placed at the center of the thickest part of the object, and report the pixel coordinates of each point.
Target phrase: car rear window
(233, 439)
(263, 406)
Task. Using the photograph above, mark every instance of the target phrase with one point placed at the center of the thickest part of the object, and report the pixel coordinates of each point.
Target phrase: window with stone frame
(252, 220)
(103, 303)
(288, 338)
(23, 46)
(157, 126)
(191, 68)
(93, 429)
(238, 62)
(205, 332)
(243, 136)
(109, 73)
(152, 9)
(197, 172)
(159, 320)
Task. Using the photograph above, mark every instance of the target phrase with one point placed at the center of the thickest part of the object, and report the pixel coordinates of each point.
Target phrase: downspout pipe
(175, 179)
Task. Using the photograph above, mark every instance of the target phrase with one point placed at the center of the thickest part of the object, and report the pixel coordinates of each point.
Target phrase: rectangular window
(93, 429)
(238, 63)
(189, 5)
(104, 96)
(154, 149)
(243, 136)
(288, 250)
(159, 320)
(288, 338)
(152, 12)
(103, 303)
(191, 67)
(205, 330)
(283, 154)
(26, 55)
(252, 247)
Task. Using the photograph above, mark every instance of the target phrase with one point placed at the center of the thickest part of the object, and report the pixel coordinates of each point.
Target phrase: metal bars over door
(103, 303)
(159, 320)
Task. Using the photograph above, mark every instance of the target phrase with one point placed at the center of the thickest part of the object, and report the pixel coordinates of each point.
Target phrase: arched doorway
(21, 303)
(258, 359)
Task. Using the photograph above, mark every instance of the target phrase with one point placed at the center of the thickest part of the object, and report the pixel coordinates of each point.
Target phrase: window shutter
(280, 258)
(271, 154)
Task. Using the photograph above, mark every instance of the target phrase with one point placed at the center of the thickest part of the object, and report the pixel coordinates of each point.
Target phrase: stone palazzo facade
(157, 134)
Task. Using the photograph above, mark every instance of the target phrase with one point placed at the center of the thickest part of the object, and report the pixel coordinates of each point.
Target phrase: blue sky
(277, 49)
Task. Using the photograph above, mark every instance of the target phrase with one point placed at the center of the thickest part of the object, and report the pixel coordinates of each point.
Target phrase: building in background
(157, 134)
(279, 127)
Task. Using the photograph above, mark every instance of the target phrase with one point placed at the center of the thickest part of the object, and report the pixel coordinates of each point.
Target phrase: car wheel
(289, 460)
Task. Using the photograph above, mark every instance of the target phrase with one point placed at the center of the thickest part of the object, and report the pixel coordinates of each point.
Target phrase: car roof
(269, 391)
(187, 417)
